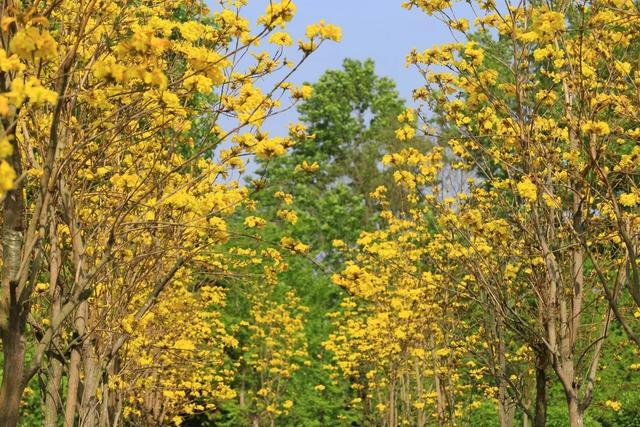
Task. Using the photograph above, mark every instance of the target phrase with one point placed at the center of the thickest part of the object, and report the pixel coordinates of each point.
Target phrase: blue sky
(377, 29)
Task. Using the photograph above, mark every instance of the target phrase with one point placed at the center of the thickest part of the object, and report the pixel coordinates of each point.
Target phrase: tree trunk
(440, 399)
(420, 422)
(506, 408)
(13, 310)
(52, 399)
(542, 362)
(74, 367)
(105, 419)
(392, 402)
(13, 374)
(88, 408)
(575, 414)
(72, 387)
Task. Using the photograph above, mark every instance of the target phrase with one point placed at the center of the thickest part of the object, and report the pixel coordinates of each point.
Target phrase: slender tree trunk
(72, 387)
(241, 395)
(13, 311)
(392, 402)
(420, 422)
(440, 398)
(88, 408)
(74, 367)
(506, 408)
(117, 412)
(575, 414)
(53, 401)
(13, 375)
(104, 420)
(542, 364)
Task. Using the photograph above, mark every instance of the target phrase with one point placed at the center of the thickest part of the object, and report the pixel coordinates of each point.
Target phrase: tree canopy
(465, 258)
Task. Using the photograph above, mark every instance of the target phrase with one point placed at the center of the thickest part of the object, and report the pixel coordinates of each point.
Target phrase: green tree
(351, 118)
(352, 114)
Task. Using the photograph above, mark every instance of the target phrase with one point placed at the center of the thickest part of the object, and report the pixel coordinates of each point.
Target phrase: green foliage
(349, 108)
(484, 416)
(32, 414)
(351, 113)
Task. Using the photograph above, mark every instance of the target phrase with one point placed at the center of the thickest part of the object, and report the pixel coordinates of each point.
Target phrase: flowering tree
(540, 108)
(116, 191)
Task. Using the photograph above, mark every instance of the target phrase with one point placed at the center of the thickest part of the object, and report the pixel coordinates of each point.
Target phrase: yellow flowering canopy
(124, 131)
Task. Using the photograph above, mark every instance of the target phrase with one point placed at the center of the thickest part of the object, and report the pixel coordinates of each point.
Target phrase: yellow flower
(32, 43)
(551, 201)
(254, 221)
(307, 167)
(302, 92)
(7, 176)
(623, 67)
(10, 63)
(286, 198)
(294, 245)
(278, 14)
(184, 344)
(405, 133)
(270, 147)
(41, 287)
(37, 93)
(324, 31)
(336, 243)
(4, 105)
(616, 406)
(629, 199)
(202, 84)
(281, 39)
(459, 24)
(6, 149)
(527, 189)
(597, 128)
(287, 215)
